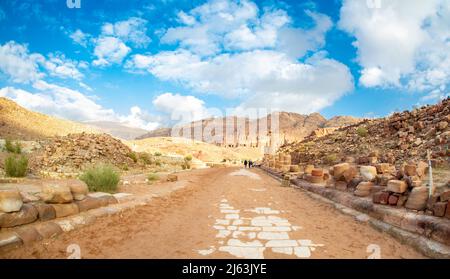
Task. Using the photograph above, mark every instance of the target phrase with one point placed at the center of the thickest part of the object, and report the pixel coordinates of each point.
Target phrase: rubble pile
(396, 139)
(384, 183)
(71, 153)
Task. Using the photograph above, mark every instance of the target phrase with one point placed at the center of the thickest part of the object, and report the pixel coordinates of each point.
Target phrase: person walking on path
(245, 163)
(250, 164)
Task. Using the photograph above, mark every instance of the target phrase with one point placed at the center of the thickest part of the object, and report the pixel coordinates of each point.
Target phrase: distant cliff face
(291, 127)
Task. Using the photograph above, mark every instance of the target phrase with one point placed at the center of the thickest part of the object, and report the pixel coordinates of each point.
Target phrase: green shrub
(16, 166)
(103, 178)
(362, 132)
(153, 177)
(331, 159)
(158, 154)
(145, 158)
(187, 162)
(13, 147)
(133, 156)
(158, 163)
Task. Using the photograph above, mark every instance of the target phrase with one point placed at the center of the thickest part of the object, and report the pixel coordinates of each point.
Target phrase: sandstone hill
(200, 150)
(292, 126)
(19, 123)
(398, 138)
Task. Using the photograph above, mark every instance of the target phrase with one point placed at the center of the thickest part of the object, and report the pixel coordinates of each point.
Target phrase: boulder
(45, 211)
(363, 189)
(56, 193)
(339, 169)
(78, 188)
(417, 199)
(397, 186)
(10, 200)
(368, 173)
(26, 215)
(326, 176)
(317, 172)
(63, 210)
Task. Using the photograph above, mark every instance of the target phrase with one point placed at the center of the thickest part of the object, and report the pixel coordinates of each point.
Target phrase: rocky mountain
(398, 138)
(292, 126)
(19, 123)
(117, 130)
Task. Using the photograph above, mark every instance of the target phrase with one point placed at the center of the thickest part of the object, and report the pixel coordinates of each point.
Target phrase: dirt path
(225, 213)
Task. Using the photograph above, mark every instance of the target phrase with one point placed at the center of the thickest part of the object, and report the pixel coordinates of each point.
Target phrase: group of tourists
(248, 163)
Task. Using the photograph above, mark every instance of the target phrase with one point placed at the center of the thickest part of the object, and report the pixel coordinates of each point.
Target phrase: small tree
(16, 166)
(187, 162)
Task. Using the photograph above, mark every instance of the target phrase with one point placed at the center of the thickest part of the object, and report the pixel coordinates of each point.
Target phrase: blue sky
(149, 63)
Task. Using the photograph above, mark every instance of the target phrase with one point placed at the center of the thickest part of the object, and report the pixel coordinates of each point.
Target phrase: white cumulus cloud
(400, 43)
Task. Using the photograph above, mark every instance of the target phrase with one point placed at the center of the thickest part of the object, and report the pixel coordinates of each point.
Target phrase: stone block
(63, 210)
(52, 192)
(45, 211)
(317, 172)
(368, 173)
(384, 197)
(10, 200)
(78, 188)
(90, 203)
(341, 185)
(309, 168)
(410, 170)
(376, 198)
(28, 234)
(314, 179)
(439, 209)
(384, 168)
(382, 179)
(48, 229)
(349, 174)
(26, 215)
(397, 186)
(9, 241)
(444, 196)
(402, 200)
(393, 199)
(363, 189)
(447, 211)
(339, 169)
(417, 199)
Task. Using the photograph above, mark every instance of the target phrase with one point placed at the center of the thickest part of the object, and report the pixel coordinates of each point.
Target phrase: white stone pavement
(248, 238)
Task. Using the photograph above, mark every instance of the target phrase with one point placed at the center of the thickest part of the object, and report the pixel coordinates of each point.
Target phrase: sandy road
(225, 213)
